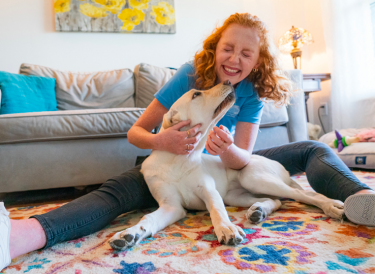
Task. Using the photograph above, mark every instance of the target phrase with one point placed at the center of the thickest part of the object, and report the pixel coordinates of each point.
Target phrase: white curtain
(350, 49)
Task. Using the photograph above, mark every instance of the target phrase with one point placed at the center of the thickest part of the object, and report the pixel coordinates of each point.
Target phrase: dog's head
(204, 107)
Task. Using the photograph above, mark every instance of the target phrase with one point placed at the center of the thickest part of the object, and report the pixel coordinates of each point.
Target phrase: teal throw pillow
(21, 93)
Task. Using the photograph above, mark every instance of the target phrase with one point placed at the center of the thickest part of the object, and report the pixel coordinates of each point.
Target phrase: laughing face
(237, 53)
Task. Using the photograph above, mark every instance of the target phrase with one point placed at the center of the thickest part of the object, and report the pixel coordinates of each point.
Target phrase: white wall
(280, 16)
(27, 36)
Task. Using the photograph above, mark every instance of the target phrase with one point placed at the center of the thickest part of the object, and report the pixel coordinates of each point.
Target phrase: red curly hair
(270, 81)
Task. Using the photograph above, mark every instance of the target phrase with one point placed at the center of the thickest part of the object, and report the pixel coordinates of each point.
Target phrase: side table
(311, 83)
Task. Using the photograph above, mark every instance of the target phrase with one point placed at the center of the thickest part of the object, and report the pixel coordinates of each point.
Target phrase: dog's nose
(227, 82)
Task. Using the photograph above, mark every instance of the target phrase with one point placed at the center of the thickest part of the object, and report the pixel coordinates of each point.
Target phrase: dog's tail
(293, 184)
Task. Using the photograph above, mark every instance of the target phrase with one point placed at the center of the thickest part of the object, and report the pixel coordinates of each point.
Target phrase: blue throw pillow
(21, 93)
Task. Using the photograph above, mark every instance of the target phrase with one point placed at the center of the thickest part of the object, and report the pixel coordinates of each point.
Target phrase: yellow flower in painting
(92, 11)
(113, 6)
(139, 4)
(164, 13)
(62, 6)
(131, 18)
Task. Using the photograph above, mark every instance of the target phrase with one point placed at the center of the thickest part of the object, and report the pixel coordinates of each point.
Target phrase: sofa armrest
(297, 125)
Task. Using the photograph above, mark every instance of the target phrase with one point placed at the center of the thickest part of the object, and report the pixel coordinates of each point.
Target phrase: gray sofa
(85, 141)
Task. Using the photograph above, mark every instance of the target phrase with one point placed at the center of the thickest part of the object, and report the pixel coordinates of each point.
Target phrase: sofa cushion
(94, 90)
(64, 125)
(273, 116)
(148, 80)
(271, 137)
(22, 93)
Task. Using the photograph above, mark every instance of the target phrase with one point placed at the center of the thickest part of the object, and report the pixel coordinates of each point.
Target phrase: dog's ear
(171, 118)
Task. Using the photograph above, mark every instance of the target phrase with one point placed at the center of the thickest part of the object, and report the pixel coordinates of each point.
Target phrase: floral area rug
(297, 239)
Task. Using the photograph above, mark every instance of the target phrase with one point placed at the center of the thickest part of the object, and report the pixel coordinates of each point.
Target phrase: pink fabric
(367, 136)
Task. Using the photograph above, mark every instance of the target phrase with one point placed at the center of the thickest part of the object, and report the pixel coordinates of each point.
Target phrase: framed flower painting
(134, 16)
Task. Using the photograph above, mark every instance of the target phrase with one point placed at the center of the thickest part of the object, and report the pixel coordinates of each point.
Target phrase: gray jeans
(326, 173)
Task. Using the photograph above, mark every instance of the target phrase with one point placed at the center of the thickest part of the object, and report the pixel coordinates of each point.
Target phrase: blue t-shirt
(247, 108)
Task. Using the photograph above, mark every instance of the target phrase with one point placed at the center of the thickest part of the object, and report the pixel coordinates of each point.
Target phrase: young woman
(242, 52)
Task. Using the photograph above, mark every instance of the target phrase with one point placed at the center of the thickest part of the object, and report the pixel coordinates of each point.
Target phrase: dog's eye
(196, 94)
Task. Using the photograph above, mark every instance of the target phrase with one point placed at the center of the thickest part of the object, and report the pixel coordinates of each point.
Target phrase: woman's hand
(179, 142)
(219, 140)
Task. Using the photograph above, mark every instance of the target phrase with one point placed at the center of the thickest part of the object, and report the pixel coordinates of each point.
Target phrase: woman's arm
(234, 153)
(140, 133)
(171, 139)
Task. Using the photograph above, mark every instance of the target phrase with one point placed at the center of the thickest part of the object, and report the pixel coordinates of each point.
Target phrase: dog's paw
(122, 240)
(128, 238)
(229, 234)
(116, 242)
(334, 209)
(256, 214)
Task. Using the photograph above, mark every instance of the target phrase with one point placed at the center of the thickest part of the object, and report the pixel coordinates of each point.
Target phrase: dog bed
(357, 155)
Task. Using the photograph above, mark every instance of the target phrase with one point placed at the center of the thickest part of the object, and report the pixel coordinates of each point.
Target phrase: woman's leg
(325, 171)
(327, 175)
(20, 241)
(83, 216)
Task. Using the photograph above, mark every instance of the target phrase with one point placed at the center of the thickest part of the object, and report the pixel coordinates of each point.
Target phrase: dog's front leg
(225, 231)
(150, 224)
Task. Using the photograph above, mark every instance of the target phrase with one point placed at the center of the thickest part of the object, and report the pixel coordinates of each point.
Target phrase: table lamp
(292, 41)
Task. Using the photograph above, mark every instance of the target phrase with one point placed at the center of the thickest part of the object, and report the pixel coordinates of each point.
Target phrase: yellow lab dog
(200, 181)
